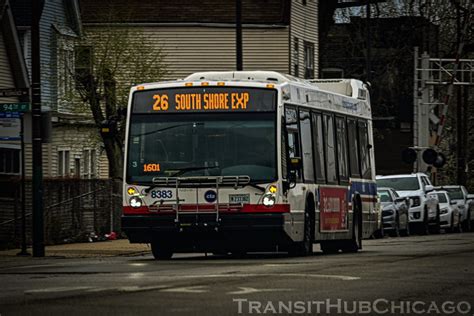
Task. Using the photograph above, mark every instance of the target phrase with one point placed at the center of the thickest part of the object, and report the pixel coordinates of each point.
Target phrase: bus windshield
(217, 144)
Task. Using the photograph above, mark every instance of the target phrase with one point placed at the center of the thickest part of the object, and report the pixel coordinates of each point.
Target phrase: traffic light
(432, 157)
(409, 155)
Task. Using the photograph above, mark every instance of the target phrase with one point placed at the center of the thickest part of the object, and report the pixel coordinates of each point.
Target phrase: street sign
(15, 107)
(13, 92)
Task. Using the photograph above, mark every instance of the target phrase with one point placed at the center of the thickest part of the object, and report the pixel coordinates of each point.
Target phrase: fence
(73, 209)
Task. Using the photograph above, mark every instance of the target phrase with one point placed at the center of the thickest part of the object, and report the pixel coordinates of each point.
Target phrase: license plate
(239, 198)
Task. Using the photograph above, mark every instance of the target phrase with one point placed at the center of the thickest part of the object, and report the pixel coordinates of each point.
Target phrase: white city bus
(234, 162)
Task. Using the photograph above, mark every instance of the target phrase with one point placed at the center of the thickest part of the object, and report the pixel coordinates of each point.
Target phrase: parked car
(471, 210)
(424, 212)
(394, 212)
(459, 194)
(449, 212)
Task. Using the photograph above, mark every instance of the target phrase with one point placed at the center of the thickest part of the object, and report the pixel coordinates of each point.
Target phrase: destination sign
(204, 99)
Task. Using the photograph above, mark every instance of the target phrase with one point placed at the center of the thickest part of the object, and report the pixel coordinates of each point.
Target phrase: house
(73, 149)
(278, 35)
(13, 75)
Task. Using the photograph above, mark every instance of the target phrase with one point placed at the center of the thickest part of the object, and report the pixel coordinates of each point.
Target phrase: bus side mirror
(294, 167)
(295, 163)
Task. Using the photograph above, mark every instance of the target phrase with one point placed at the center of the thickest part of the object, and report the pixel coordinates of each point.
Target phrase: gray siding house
(74, 148)
(194, 36)
(13, 75)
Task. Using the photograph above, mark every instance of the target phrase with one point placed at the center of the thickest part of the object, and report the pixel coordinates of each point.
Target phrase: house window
(63, 163)
(9, 161)
(296, 56)
(89, 158)
(332, 73)
(66, 82)
(308, 60)
(83, 62)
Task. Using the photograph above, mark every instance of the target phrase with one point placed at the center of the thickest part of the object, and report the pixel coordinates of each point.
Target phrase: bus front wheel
(161, 252)
(305, 247)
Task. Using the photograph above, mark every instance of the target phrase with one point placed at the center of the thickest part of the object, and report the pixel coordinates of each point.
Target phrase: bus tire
(161, 252)
(305, 247)
(355, 243)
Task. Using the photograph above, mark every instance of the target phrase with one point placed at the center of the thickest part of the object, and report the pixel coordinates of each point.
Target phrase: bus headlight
(269, 200)
(135, 202)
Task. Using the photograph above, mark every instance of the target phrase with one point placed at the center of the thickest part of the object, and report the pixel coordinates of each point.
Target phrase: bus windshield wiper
(195, 124)
(254, 185)
(182, 171)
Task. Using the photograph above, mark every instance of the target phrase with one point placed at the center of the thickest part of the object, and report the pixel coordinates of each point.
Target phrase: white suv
(424, 209)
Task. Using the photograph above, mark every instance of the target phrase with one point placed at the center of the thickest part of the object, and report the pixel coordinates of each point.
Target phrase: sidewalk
(121, 247)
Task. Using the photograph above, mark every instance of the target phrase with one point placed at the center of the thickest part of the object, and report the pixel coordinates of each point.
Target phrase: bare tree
(119, 57)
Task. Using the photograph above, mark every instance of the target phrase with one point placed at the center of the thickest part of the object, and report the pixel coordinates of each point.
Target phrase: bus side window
(293, 145)
(306, 146)
(318, 139)
(330, 149)
(353, 148)
(364, 151)
(341, 138)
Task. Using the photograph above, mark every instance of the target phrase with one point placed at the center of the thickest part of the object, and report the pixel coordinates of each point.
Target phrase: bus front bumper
(201, 232)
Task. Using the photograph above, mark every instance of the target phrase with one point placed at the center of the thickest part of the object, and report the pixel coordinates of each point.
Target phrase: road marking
(188, 289)
(58, 289)
(248, 275)
(250, 290)
(140, 288)
(136, 275)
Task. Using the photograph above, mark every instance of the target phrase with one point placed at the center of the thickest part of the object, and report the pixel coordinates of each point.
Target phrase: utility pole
(238, 33)
(367, 26)
(460, 128)
(38, 221)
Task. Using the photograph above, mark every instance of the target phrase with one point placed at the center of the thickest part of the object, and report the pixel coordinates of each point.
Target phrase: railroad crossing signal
(430, 157)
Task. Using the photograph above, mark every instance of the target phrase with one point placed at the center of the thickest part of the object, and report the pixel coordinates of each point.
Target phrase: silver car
(395, 217)
(450, 215)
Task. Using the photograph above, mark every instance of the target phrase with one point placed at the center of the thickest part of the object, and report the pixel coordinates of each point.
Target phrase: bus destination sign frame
(204, 99)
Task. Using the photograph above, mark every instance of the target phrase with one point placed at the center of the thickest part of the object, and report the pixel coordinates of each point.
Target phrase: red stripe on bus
(189, 208)
(368, 199)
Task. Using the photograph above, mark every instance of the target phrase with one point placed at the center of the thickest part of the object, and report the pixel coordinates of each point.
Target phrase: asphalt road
(407, 276)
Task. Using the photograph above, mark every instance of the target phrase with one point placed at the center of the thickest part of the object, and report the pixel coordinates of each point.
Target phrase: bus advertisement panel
(333, 208)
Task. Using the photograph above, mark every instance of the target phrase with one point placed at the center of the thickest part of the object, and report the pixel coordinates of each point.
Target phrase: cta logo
(210, 196)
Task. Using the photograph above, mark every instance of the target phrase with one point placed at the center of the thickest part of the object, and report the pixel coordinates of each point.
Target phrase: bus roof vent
(261, 76)
(348, 87)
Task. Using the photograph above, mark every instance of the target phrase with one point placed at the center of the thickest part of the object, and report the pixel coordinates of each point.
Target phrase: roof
(15, 55)
(22, 13)
(184, 11)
